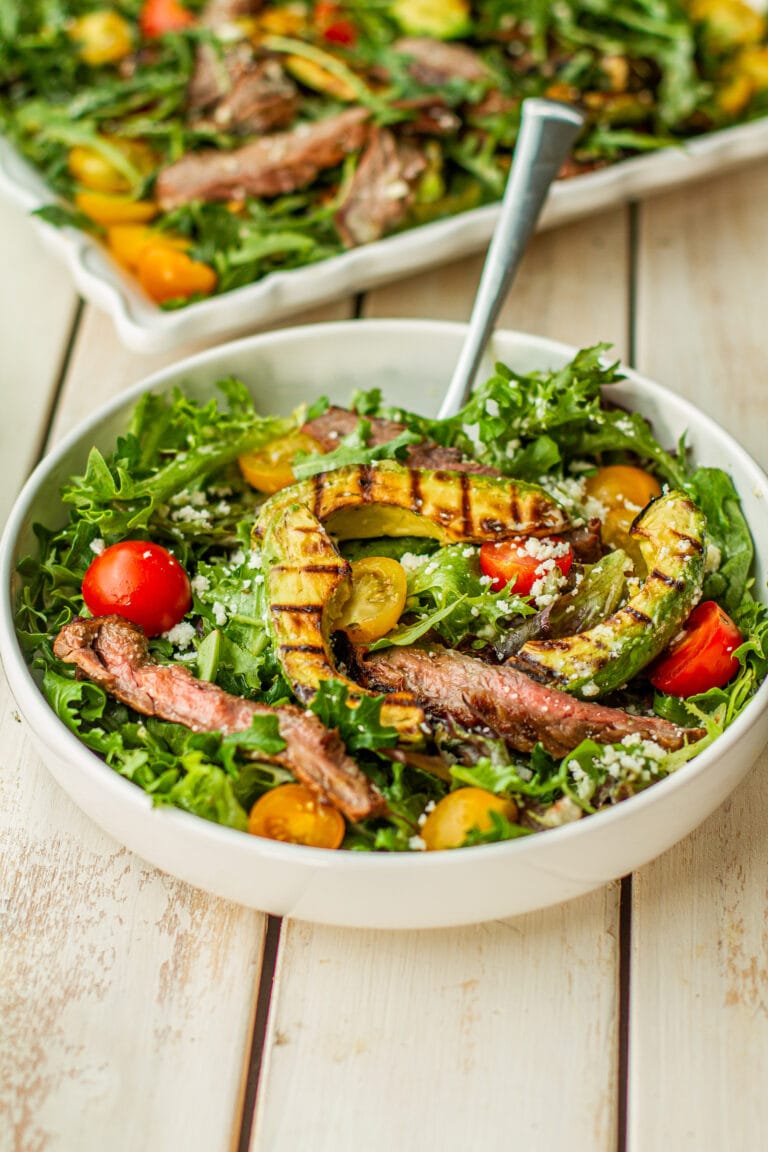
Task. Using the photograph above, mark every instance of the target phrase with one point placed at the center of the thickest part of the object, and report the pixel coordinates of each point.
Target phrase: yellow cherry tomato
(282, 21)
(624, 490)
(94, 170)
(623, 486)
(295, 815)
(453, 818)
(115, 209)
(104, 37)
(167, 274)
(377, 599)
(728, 23)
(269, 469)
(126, 242)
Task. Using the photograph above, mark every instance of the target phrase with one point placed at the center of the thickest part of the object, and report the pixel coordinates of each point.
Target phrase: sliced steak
(269, 166)
(435, 62)
(235, 92)
(115, 655)
(336, 423)
(381, 190)
(218, 12)
(429, 115)
(513, 706)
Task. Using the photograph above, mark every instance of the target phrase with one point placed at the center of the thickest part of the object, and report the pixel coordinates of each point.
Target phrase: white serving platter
(360, 889)
(144, 327)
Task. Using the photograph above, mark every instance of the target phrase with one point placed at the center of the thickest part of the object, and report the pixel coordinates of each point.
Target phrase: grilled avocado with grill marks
(671, 536)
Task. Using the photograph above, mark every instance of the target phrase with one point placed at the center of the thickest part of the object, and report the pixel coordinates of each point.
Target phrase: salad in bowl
(353, 626)
(287, 636)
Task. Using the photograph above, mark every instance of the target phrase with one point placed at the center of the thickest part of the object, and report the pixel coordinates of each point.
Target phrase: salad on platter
(208, 144)
(364, 628)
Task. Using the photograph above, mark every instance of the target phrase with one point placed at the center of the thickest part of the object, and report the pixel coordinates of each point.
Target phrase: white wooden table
(137, 1013)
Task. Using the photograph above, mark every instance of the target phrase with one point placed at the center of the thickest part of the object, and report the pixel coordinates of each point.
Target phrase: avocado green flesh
(670, 534)
(597, 596)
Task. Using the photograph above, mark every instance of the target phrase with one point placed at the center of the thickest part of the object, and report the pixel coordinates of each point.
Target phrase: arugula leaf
(713, 491)
(122, 498)
(359, 723)
(353, 450)
(447, 592)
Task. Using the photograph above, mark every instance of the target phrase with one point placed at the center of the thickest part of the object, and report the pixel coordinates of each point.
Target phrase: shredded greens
(173, 477)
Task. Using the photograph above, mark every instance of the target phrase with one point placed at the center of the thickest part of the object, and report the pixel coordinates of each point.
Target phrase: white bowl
(411, 361)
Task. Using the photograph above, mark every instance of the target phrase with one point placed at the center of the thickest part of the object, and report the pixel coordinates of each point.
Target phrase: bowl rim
(41, 716)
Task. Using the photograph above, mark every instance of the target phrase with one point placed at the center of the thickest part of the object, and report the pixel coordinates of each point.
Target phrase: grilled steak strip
(332, 425)
(218, 12)
(268, 166)
(435, 62)
(381, 190)
(235, 91)
(508, 702)
(115, 655)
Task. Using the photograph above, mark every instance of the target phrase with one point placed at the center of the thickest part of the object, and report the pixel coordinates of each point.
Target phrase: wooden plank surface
(127, 998)
(503, 1032)
(699, 974)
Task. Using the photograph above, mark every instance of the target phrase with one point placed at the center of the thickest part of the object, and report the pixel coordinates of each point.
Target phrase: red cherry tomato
(702, 657)
(161, 16)
(524, 559)
(334, 27)
(341, 32)
(141, 582)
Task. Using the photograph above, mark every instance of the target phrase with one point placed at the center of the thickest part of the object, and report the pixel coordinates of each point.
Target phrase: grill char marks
(503, 699)
(115, 654)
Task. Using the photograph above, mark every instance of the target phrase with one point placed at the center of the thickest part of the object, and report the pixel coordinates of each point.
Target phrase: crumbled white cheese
(712, 560)
(416, 844)
(411, 562)
(200, 584)
(181, 635)
(219, 614)
(97, 546)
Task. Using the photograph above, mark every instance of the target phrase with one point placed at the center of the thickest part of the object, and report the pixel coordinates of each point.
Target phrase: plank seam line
(61, 376)
(259, 1036)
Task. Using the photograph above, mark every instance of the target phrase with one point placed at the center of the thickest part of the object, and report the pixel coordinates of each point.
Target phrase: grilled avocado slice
(308, 579)
(388, 499)
(670, 534)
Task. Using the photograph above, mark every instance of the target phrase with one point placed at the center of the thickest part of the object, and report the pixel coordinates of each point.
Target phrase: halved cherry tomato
(623, 486)
(454, 817)
(377, 599)
(334, 27)
(128, 241)
(295, 815)
(161, 16)
(140, 581)
(115, 209)
(341, 32)
(104, 37)
(269, 469)
(702, 657)
(624, 490)
(167, 274)
(525, 559)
